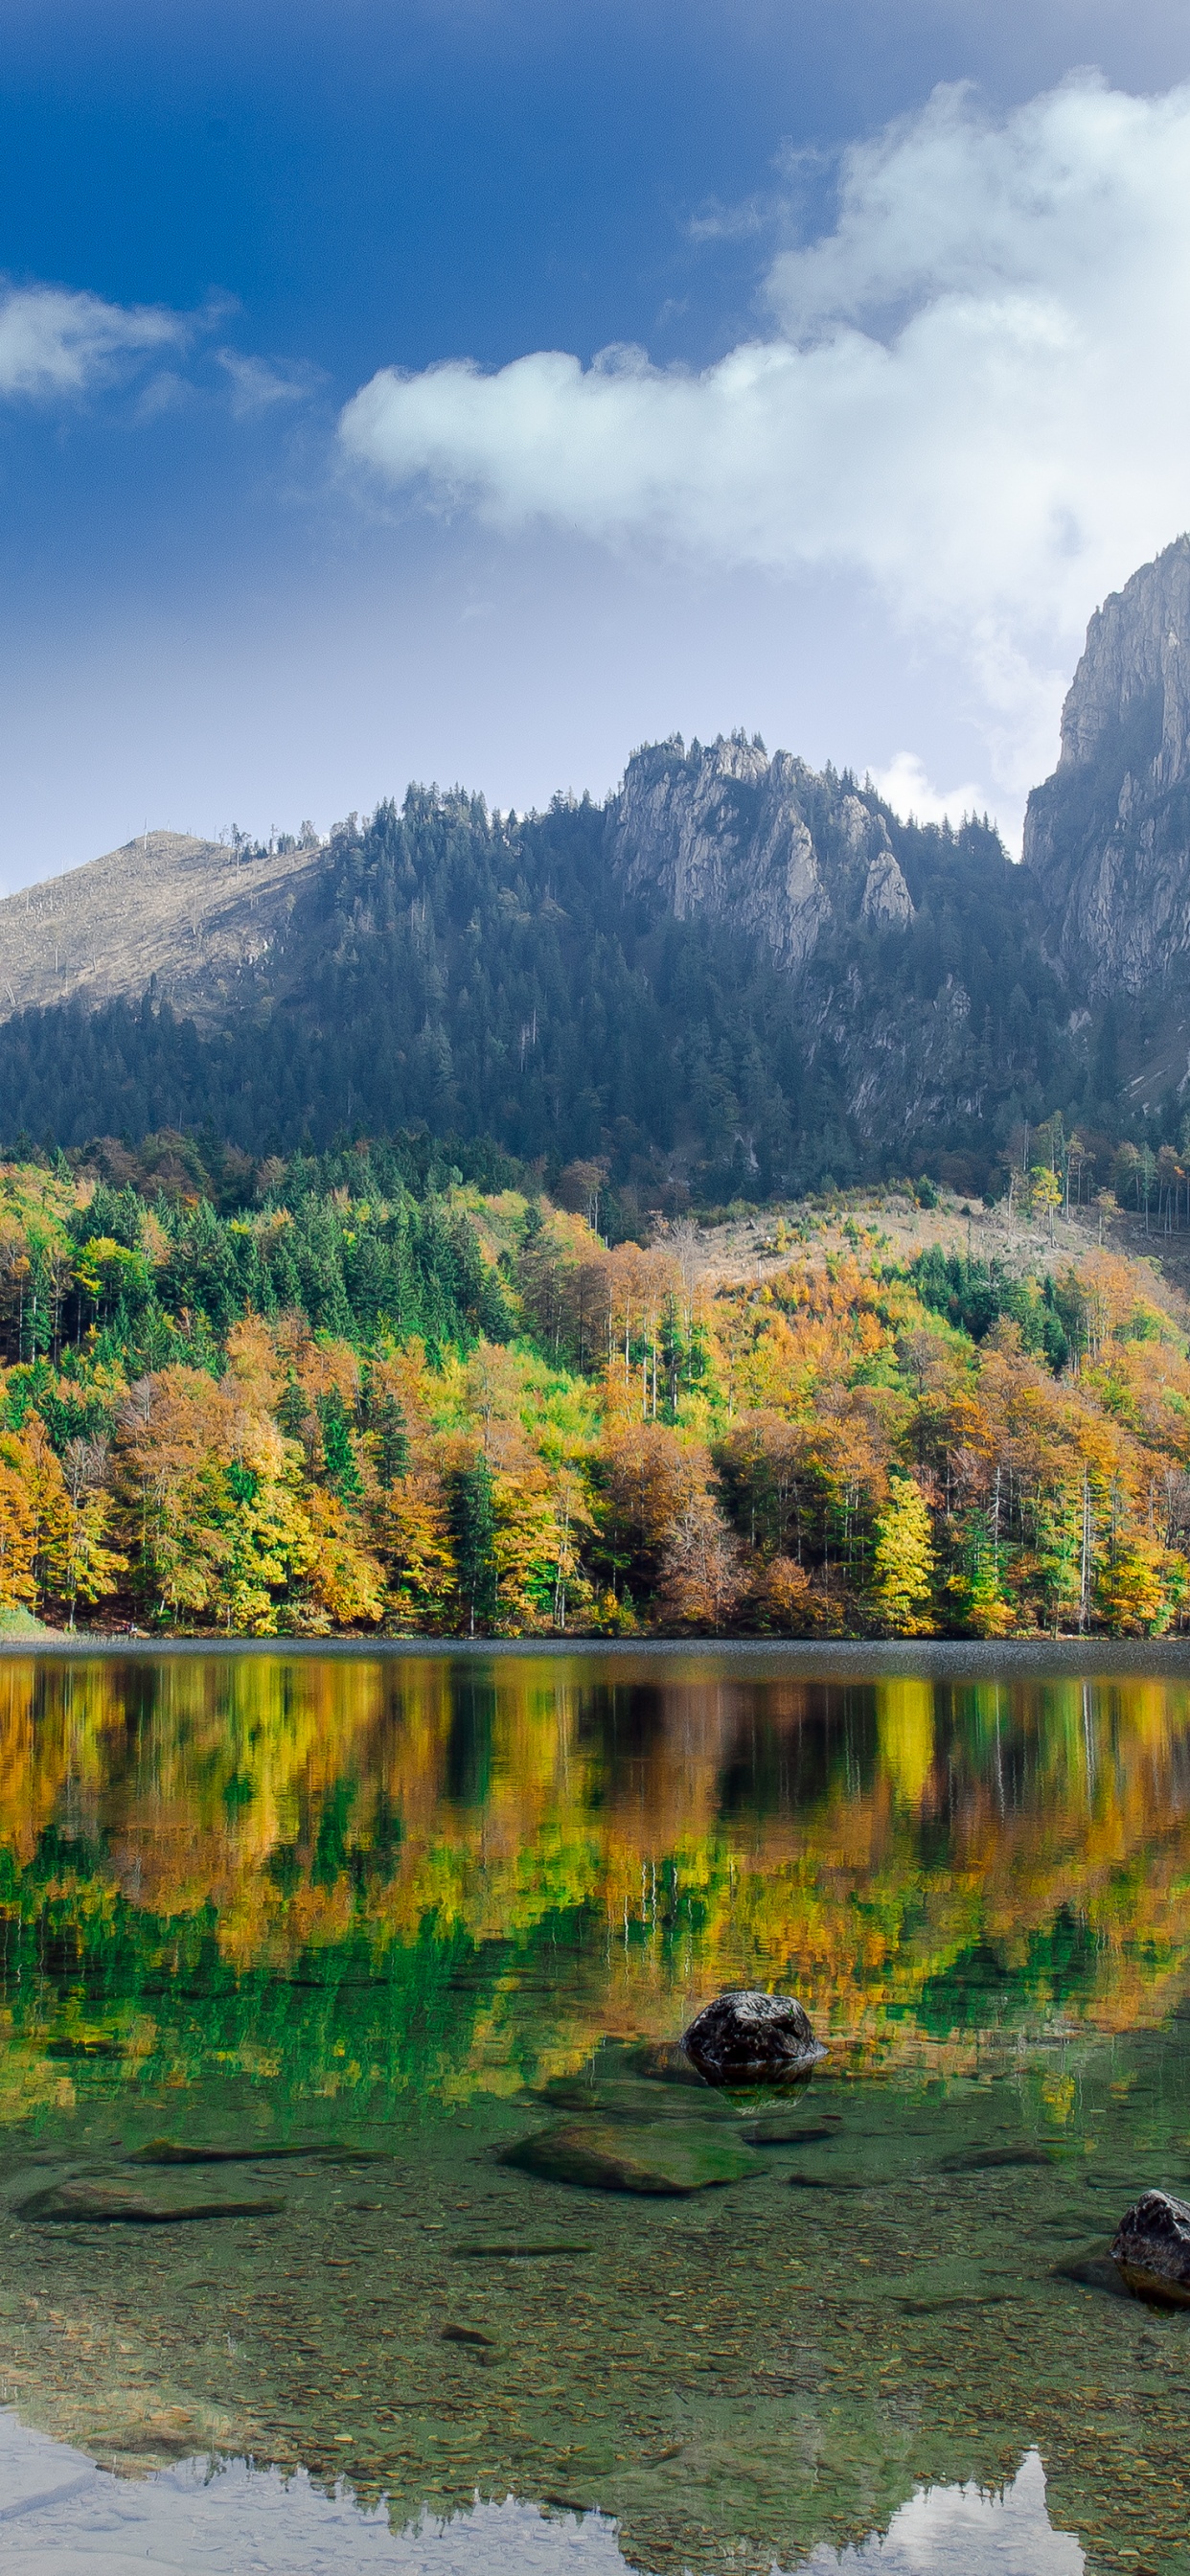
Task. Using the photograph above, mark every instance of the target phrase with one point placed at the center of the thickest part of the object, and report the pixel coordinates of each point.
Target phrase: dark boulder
(1151, 2248)
(750, 2038)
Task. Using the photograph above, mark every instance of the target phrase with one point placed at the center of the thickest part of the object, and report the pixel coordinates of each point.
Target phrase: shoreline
(839, 1659)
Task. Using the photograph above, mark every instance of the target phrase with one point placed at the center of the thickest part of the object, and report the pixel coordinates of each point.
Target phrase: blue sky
(317, 474)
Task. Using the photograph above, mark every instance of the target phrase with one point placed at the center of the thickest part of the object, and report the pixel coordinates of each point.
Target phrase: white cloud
(257, 386)
(973, 391)
(905, 786)
(53, 341)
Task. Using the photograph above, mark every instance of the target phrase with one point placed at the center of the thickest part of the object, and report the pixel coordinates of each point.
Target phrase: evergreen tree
(473, 1529)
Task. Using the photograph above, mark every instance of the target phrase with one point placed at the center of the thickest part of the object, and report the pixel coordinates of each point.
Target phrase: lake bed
(337, 1932)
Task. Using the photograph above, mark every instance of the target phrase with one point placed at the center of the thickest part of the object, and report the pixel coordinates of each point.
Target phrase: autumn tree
(903, 1561)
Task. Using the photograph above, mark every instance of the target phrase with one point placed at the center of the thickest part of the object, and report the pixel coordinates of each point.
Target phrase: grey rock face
(766, 846)
(1151, 2248)
(1108, 836)
(753, 2038)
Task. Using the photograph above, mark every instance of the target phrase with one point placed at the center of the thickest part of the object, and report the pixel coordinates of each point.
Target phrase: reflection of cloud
(974, 392)
(289, 2527)
(905, 786)
(56, 342)
(59, 2501)
(964, 2531)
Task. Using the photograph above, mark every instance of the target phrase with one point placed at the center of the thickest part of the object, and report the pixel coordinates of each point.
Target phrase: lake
(297, 1945)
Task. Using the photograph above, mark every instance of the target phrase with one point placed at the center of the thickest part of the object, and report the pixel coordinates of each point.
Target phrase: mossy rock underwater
(608, 2155)
(105, 2204)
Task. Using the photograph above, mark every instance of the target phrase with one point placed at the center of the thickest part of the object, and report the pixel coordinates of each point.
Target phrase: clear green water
(373, 1907)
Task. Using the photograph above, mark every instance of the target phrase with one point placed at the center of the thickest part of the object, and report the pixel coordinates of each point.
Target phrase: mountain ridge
(735, 976)
(194, 918)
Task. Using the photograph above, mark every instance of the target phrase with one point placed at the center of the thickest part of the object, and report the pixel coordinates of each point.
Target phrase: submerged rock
(790, 2129)
(1093, 2269)
(102, 2204)
(663, 2061)
(745, 2037)
(639, 2102)
(163, 2151)
(518, 2249)
(977, 2160)
(1151, 2248)
(608, 2156)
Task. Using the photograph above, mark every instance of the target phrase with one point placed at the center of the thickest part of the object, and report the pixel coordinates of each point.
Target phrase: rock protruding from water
(607, 2156)
(753, 2038)
(1151, 2248)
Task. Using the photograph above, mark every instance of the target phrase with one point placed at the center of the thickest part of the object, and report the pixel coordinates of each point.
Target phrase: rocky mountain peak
(1108, 835)
(768, 846)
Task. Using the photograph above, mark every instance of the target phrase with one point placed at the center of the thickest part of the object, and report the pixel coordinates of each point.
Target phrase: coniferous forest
(492, 978)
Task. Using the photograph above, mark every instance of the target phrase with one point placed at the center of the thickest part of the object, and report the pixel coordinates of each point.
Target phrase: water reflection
(943, 2530)
(366, 1909)
(62, 2512)
(933, 1863)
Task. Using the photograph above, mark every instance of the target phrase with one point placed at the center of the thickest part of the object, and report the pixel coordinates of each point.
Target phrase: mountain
(1107, 838)
(916, 978)
(738, 976)
(725, 833)
(193, 918)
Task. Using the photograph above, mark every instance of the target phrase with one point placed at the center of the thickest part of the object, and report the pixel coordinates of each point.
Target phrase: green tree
(473, 1529)
(338, 1449)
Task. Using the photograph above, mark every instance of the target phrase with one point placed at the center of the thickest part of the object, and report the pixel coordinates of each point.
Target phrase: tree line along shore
(358, 1399)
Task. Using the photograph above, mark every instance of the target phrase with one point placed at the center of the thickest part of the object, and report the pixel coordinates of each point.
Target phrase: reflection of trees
(915, 1858)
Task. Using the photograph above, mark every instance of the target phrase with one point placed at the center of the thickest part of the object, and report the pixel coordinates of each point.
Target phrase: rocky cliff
(1107, 838)
(915, 983)
(768, 847)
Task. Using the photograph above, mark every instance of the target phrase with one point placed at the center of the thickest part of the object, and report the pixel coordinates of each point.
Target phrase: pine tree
(473, 1529)
(391, 1439)
(342, 1465)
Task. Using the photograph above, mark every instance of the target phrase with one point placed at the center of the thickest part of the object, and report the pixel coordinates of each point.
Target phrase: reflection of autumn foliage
(863, 1844)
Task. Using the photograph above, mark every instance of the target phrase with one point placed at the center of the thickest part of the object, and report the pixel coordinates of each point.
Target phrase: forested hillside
(500, 978)
(348, 1399)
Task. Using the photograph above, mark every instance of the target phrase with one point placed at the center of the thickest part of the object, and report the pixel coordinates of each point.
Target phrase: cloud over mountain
(972, 391)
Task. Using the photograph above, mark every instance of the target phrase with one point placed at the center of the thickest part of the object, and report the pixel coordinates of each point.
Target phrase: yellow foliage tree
(903, 1561)
(18, 1527)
